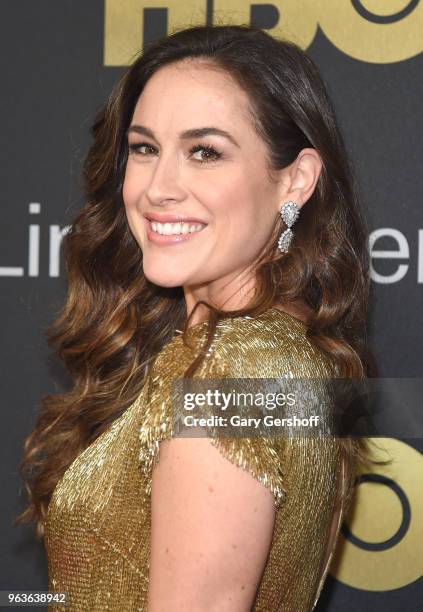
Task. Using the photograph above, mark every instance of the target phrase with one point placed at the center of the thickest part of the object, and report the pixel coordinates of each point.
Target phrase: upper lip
(172, 218)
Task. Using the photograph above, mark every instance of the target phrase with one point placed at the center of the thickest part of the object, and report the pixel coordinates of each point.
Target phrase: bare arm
(212, 526)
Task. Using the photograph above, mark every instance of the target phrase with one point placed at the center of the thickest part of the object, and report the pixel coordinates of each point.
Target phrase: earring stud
(290, 213)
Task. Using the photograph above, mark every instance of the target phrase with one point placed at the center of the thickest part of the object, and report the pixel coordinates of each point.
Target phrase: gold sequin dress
(97, 531)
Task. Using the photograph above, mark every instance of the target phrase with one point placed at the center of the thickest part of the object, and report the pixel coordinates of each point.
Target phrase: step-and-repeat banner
(60, 60)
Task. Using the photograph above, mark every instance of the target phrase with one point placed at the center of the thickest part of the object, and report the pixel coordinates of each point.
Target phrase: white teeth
(167, 229)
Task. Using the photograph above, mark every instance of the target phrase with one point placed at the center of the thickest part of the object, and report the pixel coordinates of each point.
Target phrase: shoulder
(274, 344)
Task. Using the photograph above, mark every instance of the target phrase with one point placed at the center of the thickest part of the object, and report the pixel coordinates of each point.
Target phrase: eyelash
(201, 146)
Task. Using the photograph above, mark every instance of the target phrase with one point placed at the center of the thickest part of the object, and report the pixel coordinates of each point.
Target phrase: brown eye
(211, 154)
(134, 148)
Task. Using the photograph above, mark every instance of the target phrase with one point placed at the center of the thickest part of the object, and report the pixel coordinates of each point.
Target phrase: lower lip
(172, 238)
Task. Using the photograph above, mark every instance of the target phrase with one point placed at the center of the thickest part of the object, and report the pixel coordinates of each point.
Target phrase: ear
(298, 180)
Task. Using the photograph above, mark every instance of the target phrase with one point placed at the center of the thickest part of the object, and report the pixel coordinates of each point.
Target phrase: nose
(165, 183)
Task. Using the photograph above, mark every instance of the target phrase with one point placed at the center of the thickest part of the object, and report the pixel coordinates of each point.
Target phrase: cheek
(244, 220)
(238, 211)
(131, 197)
(129, 189)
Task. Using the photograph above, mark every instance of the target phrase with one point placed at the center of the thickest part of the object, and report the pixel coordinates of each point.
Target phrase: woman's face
(219, 181)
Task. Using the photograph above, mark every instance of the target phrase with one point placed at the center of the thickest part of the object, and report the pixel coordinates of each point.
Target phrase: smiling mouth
(175, 229)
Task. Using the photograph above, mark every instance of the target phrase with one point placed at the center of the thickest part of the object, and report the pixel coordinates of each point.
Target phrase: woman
(212, 145)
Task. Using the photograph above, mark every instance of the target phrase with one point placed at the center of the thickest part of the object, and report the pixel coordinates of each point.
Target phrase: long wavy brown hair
(114, 321)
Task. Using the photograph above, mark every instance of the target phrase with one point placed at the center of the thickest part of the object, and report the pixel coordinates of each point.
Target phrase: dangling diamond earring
(290, 213)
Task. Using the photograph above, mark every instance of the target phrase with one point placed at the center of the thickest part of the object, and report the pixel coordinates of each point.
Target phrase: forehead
(188, 92)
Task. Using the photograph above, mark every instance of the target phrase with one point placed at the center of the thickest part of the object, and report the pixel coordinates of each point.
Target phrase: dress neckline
(281, 313)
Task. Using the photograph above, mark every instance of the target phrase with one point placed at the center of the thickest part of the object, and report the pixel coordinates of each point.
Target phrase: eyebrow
(187, 134)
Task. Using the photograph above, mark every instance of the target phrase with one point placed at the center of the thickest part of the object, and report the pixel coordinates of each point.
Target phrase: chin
(163, 278)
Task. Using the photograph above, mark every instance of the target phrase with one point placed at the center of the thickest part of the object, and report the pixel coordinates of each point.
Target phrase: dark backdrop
(60, 60)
